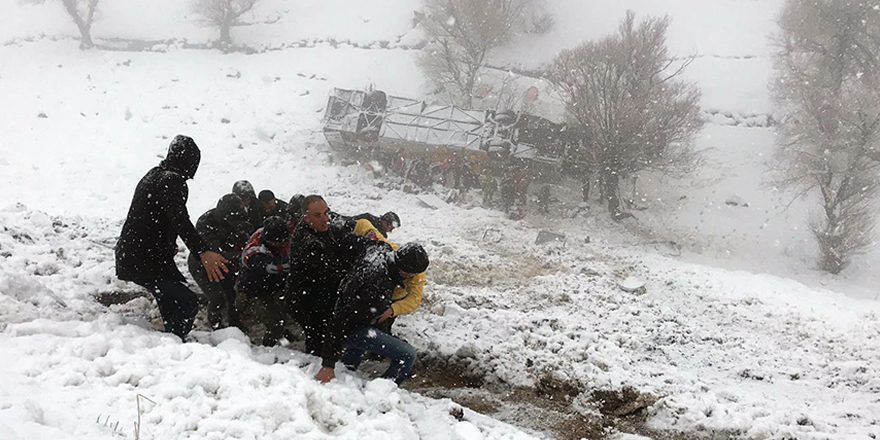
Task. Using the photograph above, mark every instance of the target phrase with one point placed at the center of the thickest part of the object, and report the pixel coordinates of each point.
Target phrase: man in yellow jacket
(404, 299)
(375, 227)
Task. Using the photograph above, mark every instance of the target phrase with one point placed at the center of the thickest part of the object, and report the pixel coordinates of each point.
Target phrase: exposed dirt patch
(546, 409)
(549, 408)
(623, 402)
(576, 427)
(474, 273)
(458, 273)
(556, 413)
(636, 425)
(529, 408)
(555, 389)
(116, 297)
(434, 372)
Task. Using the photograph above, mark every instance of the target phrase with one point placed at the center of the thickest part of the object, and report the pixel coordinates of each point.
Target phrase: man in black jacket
(364, 294)
(223, 230)
(266, 206)
(320, 256)
(245, 190)
(148, 242)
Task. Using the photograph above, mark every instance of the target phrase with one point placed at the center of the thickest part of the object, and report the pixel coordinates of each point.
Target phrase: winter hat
(411, 258)
(230, 208)
(294, 207)
(266, 195)
(275, 229)
(244, 189)
(183, 156)
(392, 218)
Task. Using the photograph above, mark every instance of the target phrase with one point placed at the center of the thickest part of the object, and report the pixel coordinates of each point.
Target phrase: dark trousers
(220, 295)
(262, 317)
(177, 304)
(371, 339)
(313, 316)
(314, 329)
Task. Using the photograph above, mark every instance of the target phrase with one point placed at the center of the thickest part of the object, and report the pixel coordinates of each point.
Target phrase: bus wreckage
(370, 125)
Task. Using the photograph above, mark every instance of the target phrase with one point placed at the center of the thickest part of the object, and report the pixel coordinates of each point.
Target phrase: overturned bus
(367, 123)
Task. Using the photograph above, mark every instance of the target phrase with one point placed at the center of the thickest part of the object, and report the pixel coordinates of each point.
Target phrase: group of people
(512, 192)
(263, 263)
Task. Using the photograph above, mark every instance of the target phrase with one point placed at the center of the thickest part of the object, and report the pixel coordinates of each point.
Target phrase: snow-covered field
(737, 333)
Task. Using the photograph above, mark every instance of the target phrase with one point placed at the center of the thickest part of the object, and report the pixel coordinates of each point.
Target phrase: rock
(632, 284)
(456, 411)
(736, 201)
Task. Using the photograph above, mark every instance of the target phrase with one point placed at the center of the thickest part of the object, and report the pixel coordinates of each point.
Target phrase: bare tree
(462, 33)
(828, 88)
(625, 101)
(222, 14)
(83, 14)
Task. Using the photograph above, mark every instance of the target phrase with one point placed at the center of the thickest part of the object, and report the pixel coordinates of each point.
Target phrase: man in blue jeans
(364, 296)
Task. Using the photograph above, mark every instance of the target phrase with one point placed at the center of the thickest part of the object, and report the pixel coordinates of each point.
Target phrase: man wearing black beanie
(363, 295)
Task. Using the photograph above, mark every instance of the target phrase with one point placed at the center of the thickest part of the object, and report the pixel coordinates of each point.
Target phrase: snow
(733, 331)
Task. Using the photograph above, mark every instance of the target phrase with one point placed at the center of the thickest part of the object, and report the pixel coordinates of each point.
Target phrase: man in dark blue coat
(148, 242)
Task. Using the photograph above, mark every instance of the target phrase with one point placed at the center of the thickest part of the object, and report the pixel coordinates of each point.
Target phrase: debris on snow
(431, 201)
(669, 248)
(545, 236)
(492, 235)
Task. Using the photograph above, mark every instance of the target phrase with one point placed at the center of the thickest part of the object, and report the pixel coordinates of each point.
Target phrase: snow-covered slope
(725, 350)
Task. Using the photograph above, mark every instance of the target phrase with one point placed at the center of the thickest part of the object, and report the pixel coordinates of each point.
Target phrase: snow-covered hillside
(729, 351)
